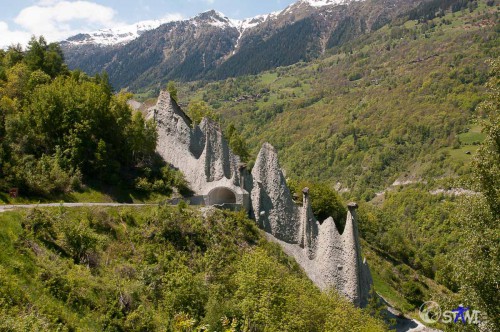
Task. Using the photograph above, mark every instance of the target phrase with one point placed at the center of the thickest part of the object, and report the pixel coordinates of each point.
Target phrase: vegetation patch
(168, 268)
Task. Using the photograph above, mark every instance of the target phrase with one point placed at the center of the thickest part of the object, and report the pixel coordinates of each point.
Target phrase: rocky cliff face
(211, 45)
(200, 152)
(329, 258)
(272, 202)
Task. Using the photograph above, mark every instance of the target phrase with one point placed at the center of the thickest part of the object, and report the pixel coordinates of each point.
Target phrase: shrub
(325, 202)
(46, 176)
(412, 292)
(80, 241)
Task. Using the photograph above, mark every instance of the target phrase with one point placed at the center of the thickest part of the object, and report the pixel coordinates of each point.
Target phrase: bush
(45, 176)
(80, 241)
(40, 225)
(325, 202)
(172, 270)
(355, 77)
(412, 292)
(142, 184)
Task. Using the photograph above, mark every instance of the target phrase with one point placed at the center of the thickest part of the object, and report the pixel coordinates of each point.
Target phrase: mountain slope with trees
(211, 46)
(398, 103)
(393, 119)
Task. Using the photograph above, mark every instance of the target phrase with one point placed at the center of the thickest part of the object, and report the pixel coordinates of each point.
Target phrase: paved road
(4, 208)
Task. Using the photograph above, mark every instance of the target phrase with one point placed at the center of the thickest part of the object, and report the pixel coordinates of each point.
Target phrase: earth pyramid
(218, 177)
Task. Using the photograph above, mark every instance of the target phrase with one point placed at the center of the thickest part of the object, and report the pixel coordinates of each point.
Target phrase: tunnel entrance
(221, 195)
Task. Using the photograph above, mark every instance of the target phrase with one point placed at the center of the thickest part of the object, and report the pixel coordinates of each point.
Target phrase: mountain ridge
(213, 46)
(116, 35)
(126, 33)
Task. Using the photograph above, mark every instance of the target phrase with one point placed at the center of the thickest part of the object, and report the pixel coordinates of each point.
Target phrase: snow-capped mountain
(212, 18)
(126, 33)
(252, 22)
(114, 36)
(213, 46)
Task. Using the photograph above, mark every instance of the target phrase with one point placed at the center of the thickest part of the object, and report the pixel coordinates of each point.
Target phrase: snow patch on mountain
(252, 22)
(214, 18)
(249, 23)
(323, 3)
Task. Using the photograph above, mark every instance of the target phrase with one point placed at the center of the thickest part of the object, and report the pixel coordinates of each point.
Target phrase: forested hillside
(399, 103)
(61, 130)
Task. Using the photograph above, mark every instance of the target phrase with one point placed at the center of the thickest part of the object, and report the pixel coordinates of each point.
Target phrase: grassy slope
(388, 273)
(124, 269)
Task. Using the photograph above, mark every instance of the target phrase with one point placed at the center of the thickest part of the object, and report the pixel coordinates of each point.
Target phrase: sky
(58, 19)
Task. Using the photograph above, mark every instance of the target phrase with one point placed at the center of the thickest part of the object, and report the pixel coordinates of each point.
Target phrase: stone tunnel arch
(221, 195)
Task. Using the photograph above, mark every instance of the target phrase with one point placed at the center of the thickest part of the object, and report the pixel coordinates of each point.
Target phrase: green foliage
(451, 240)
(197, 110)
(412, 292)
(46, 175)
(427, 11)
(143, 137)
(325, 202)
(487, 163)
(375, 306)
(156, 269)
(160, 178)
(46, 57)
(60, 128)
(13, 55)
(477, 261)
(345, 31)
(272, 299)
(38, 77)
(172, 90)
(237, 143)
(413, 228)
(17, 79)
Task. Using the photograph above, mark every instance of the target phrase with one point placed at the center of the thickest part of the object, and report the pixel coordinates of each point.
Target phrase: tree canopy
(60, 128)
(477, 260)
